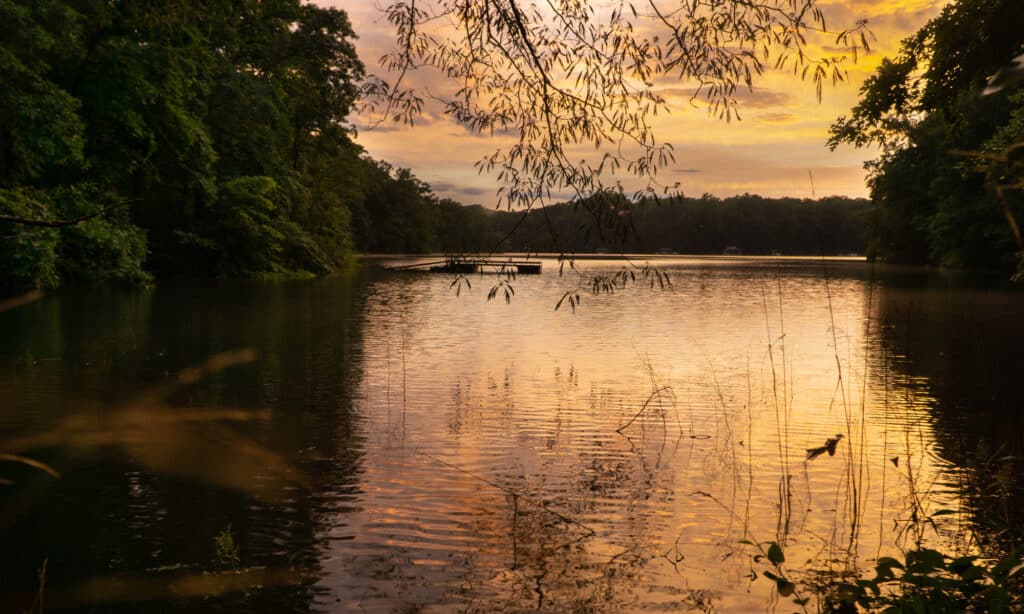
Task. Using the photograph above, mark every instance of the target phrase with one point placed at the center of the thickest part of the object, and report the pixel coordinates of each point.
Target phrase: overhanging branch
(21, 221)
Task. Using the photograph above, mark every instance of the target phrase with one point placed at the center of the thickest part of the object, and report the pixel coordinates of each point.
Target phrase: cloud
(443, 187)
(839, 51)
(770, 152)
(875, 8)
(468, 131)
(363, 127)
(759, 98)
(776, 118)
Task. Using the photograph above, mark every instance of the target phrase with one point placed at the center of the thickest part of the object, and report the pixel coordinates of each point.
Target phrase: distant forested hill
(706, 225)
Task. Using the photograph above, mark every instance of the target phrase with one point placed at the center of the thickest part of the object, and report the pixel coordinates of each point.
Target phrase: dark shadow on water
(958, 339)
(268, 447)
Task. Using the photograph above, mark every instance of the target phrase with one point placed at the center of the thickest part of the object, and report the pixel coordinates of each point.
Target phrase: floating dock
(475, 265)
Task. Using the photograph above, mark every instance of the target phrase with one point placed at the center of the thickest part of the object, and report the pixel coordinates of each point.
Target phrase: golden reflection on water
(387, 446)
(501, 480)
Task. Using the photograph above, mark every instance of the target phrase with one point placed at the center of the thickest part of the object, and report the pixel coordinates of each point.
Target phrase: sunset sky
(780, 138)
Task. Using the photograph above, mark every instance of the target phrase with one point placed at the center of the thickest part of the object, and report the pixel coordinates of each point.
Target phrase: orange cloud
(780, 138)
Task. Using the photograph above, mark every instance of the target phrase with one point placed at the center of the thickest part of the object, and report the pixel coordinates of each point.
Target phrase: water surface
(373, 442)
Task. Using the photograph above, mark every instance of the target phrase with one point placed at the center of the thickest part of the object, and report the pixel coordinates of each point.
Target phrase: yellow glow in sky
(780, 140)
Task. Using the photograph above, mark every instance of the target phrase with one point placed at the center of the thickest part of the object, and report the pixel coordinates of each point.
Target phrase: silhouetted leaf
(925, 560)
(887, 561)
(785, 587)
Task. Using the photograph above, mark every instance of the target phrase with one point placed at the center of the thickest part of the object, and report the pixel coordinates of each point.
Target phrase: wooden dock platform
(476, 265)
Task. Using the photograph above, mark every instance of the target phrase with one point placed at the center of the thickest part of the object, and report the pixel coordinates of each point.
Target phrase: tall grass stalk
(727, 438)
(39, 603)
(781, 420)
(750, 452)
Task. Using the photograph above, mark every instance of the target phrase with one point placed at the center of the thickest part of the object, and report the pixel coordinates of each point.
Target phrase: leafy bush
(103, 250)
(930, 581)
(28, 255)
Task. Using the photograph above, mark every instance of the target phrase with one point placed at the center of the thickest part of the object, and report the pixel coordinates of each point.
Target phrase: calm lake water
(372, 442)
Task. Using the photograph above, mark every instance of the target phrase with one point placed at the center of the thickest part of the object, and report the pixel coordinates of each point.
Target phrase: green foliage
(1002, 159)
(97, 249)
(247, 228)
(103, 249)
(28, 259)
(220, 123)
(930, 581)
(40, 130)
(28, 255)
(925, 581)
(225, 554)
(927, 110)
(399, 210)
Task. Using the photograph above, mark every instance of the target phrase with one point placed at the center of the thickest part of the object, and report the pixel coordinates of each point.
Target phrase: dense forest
(156, 139)
(705, 225)
(210, 135)
(947, 187)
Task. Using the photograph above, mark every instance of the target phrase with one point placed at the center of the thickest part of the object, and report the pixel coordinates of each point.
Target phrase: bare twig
(654, 395)
(14, 458)
(21, 221)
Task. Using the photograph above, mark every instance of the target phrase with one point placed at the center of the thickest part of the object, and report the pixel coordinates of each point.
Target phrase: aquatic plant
(925, 580)
(225, 549)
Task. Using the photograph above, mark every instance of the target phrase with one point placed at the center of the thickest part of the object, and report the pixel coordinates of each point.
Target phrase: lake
(373, 441)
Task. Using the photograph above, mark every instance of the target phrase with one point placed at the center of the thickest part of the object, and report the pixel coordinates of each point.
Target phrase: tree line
(707, 225)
